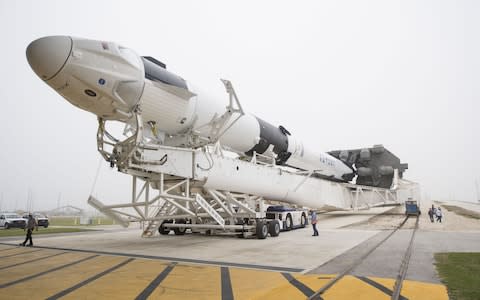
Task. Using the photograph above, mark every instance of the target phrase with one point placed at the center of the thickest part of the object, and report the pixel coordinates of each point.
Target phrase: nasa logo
(101, 81)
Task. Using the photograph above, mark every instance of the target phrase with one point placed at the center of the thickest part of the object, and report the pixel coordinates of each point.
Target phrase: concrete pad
(294, 249)
(339, 219)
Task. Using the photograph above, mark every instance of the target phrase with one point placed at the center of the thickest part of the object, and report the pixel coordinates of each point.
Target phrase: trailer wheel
(274, 228)
(261, 230)
(6, 226)
(289, 222)
(303, 220)
(162, 230)
(180, 230)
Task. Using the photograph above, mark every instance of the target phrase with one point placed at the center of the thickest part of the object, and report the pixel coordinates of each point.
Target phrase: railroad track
(402, 269)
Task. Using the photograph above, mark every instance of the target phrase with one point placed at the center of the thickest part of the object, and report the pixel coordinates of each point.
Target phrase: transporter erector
(176, 135)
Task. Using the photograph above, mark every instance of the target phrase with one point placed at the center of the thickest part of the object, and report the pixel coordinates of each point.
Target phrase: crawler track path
(402, 270)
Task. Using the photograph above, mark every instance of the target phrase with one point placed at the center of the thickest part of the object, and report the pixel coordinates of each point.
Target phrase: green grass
(460, 272)
(75, 221)
(41, 230)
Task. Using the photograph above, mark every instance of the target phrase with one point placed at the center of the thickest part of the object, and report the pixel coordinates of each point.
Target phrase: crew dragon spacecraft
(114, 83)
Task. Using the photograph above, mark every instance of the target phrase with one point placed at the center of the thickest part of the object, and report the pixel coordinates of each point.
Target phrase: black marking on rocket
(155, 71)
(271, 135)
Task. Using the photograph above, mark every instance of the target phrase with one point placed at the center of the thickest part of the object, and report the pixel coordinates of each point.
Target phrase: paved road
(385, 260)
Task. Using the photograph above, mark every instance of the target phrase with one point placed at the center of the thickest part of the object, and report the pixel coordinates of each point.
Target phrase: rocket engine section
(375, 166)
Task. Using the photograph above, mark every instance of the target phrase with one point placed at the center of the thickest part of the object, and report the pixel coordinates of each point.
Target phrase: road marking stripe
(227, 292)
(300, 286)
(177, 259)
(45, 272)
(32, 260)
(21, 253)
(378, 286)
(151, 287)
(85, 282)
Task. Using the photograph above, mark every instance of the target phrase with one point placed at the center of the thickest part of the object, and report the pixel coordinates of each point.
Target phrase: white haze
(337, 74)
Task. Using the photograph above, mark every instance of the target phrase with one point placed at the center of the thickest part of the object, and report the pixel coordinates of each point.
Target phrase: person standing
(31, 224)
(439, 215)
(314, 223)
(430, 214)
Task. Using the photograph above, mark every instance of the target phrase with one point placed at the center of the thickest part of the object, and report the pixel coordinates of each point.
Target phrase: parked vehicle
(42, 221)
(412, 208)
(9, 220)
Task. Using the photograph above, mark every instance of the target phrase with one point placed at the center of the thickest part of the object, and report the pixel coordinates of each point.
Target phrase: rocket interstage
(114, 83)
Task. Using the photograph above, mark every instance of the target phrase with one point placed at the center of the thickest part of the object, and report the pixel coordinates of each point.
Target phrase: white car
(42, 220)
(8, 220)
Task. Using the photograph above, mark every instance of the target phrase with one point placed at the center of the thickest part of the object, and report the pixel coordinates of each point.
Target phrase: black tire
(45, 226)
(261, 230)
(180, 230)
(303, 220)
(289, 222)
(274, 228)
(7, 225)
(162, 230)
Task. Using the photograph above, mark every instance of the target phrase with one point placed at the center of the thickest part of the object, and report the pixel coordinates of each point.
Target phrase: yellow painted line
(52, 283)
(40, 266)
(315, 282)
(183, 282)
(422, 290)
(6, 248)
(123, 283)
(190, 282)
(416, 289)
(350, 287)
(25, 257)
(17, 251)
(253, 284)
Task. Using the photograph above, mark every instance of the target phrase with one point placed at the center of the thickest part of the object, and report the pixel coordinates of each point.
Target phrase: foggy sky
(337, 74)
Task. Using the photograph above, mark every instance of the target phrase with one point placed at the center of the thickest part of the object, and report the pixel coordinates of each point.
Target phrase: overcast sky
(337, 74)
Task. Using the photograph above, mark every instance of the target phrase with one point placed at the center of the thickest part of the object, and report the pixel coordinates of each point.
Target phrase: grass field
(75, 221)
(460, 272)
(41, 230)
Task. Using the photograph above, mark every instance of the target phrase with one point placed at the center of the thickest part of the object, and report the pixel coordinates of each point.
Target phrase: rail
(348, 270)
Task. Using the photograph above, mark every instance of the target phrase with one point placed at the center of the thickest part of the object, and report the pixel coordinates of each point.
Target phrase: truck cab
(289, 218)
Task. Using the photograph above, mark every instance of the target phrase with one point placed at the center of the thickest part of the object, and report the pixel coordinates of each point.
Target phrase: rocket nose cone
(48, 55)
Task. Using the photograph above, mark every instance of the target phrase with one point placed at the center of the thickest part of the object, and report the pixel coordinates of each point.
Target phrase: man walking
(314, 223)
(430, 214)
(31, 224)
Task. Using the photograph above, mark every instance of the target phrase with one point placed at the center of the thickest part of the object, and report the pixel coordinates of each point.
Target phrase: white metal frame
(181, 200)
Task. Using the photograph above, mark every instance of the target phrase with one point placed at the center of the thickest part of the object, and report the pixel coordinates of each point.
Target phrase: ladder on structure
(154, 224)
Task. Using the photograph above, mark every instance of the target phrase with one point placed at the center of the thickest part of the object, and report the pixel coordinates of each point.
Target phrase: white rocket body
(110, 81)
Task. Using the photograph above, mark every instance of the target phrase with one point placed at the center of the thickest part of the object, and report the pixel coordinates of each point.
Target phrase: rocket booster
(112, 82)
